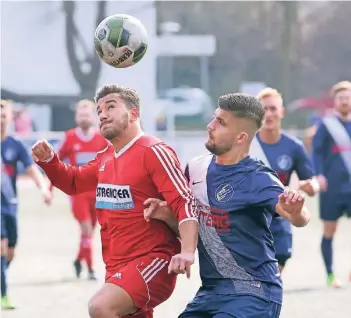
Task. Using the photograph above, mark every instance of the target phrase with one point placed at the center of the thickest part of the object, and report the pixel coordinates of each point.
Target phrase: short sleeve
(266, 190)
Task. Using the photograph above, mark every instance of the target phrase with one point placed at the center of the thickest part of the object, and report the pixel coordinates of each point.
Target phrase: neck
(344, 117)
(126, 137)
(270, 136)
(86, 131)
(232, 157)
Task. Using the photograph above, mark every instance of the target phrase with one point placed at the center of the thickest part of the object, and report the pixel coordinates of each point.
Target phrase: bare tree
(86, 71)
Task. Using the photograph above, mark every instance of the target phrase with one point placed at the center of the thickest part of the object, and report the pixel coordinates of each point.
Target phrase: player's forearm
(167, 216)
(71, 180)
(301, 219)
(37, 177)
(297, 219)
(172, 223)
(188, 231)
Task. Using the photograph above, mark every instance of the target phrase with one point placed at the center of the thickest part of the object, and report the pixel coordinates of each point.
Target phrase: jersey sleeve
(23, 155)
(304, 167)
(62, 148)
(71, 180)
(266, 191)
(320, 146)
(164, 168)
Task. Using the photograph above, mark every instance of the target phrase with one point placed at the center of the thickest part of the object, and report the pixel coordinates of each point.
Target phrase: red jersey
(78, 149)
(145, 168)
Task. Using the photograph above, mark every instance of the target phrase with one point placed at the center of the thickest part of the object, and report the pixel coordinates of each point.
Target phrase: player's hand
(181, 263)
(47, 196)
(323, 182)
(309, 186)
(42, 151)
(154, 209)
(291, 201)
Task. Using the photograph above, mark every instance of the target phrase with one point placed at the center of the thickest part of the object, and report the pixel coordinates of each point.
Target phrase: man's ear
(134, 114)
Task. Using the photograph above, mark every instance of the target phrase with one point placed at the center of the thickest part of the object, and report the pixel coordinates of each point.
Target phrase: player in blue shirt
(12, 153)
(237, 198)
(284, 154)
(8, 203)
(331, 151)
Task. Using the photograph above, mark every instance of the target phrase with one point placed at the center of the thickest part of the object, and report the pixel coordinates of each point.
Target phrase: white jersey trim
(341, 138)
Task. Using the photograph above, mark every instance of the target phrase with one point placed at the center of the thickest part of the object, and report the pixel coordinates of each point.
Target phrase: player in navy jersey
(285, 155)
(237, 197)
(8, 200)
(12, 153)
(331, 151)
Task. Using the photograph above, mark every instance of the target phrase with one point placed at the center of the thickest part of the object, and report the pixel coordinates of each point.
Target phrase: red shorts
(83, 208)
(146, 280)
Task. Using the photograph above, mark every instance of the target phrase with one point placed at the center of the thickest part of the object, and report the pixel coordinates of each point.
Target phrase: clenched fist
(42, 151)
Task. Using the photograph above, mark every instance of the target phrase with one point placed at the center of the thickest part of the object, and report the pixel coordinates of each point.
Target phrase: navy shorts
(332, 206)
(230, 306)
(9, 229)
(283, 246)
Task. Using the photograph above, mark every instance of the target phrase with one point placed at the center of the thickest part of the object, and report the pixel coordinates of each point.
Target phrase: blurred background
(197, 51)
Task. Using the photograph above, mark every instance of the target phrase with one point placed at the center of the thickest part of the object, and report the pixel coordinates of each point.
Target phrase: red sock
(80, 255)
(86, 247)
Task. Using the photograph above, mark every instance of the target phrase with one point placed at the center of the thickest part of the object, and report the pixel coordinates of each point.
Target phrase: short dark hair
(243, 106)
(129, 95)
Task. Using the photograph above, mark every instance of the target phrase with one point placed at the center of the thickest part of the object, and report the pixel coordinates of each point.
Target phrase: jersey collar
(128, 145)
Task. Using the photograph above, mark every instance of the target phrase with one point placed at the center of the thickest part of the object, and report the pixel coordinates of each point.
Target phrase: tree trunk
(87, 80)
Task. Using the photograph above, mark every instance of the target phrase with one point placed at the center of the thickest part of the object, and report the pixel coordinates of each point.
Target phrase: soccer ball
(120, 40)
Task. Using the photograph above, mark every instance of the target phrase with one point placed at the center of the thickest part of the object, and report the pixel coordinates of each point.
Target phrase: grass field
(42, 284)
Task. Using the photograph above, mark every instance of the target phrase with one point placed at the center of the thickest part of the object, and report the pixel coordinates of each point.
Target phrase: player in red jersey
(141, 257)
(79, 146)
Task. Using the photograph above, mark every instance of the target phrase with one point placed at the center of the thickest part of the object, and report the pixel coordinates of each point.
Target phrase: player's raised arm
(291, 206)
(69, 179)
(269, 192)
(164, 168)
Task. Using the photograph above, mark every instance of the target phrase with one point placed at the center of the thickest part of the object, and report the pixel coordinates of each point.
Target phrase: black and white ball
(120, 40)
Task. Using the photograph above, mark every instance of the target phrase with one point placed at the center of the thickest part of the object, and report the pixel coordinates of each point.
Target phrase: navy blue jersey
(236, 205)
(328, 156)
(12, 153)
(8, 196)
(286, 156)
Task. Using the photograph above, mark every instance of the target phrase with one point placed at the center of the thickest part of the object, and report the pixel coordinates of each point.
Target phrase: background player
(331, 150)
(133, 168)
(80, 145)
(284, 154)
(8, 203)
(237, 198)
(13, 152)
